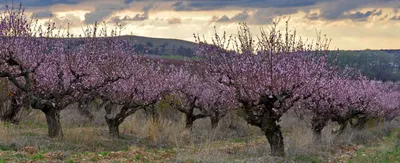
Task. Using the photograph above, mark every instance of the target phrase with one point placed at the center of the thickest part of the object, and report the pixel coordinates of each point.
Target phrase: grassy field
(143, 140)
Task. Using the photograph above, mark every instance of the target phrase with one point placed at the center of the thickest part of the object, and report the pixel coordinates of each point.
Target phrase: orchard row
(265, 77)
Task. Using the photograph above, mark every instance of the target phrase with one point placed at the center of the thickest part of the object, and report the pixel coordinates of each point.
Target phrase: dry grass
(233, 141)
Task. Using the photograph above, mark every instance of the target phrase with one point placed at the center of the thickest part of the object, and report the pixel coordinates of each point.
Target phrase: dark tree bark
(190, 118)
(343, 125)
(113, 127)
(360, 123)
(17, 102)
(10, 115)
(318, 123)
(113, 121)
(53, 122)
(189, 121)
(273, 133)
(266, 114)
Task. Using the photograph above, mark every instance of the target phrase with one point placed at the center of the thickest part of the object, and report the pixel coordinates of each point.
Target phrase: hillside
(375, 64)
(162, 46)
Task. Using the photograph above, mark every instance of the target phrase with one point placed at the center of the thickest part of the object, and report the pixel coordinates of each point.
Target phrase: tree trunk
(360, 122)
(113, 127)
(318, 124)
(189, 121)
(214, 121)
(53, 122)
(273, 133)
(275, 140)
(342, 124)
(10, 114)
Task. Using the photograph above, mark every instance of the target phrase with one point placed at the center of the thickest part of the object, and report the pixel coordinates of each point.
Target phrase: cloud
(128, 1)
(137, 17)
(45, 3)
(180, 6)
(174, 21)
(104, 10)
(259, 17)
(224, 19)
(359, 16)
(71, 19)
(344, 9)
(395, 18)
(330, 10)
(213, 5)
(97, 15)
(354, 16)
(265, 16)
(240, 17)
(43, 14)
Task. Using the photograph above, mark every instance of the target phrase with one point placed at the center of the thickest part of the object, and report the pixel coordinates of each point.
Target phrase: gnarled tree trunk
(113, 127)
(113, 121)
(274, 136)
(191, 117)
(318, 123)
(10, 114)
(360, 123)
(53, 122)
(189, 121)
(342, 123)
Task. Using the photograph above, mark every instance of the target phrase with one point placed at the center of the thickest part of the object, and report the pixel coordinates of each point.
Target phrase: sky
(351, 24)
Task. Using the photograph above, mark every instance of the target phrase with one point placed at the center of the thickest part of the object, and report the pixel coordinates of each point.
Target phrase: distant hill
(382, 65)
(162, 46)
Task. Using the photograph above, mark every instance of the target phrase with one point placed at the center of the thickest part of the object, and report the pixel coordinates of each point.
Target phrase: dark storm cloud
(330, 10)
(339, 10)
(213, 4)
(44, 3)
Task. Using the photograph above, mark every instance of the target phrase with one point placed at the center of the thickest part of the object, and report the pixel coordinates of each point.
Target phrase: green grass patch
(387, 151)
(238, 140)
(380, 156)
(38, 156)
(10, 147)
